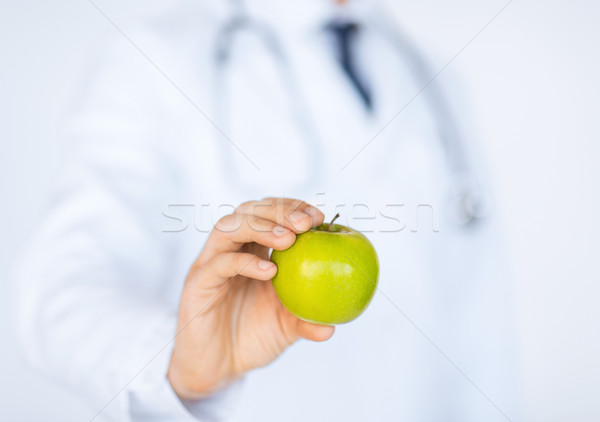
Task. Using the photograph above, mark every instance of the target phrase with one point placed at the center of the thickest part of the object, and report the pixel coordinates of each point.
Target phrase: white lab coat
(98, 288)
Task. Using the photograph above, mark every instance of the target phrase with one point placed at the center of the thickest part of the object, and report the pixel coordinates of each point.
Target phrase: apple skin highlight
(328, 276)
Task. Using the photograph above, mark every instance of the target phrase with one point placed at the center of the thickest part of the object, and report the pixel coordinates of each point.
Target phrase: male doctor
(147, 288)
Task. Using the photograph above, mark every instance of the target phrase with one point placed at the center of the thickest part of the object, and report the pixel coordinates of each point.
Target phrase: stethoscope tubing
(470, 201)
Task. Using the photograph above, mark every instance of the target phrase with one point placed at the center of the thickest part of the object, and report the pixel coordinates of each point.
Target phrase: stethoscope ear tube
(467, 203)
(225, 40)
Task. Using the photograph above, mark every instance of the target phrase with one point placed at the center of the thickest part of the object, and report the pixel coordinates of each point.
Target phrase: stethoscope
(468, 203)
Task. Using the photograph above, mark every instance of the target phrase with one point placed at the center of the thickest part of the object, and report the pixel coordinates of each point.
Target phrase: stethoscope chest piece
(469, 208)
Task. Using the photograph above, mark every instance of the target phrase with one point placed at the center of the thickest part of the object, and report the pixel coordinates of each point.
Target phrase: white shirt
(100, 284)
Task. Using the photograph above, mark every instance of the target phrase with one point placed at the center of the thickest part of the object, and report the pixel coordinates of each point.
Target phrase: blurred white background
(533, 80)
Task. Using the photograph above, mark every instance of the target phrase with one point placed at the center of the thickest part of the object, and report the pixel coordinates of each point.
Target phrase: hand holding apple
(230, 320)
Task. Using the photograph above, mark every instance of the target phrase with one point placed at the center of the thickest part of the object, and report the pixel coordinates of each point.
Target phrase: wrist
(190, 385)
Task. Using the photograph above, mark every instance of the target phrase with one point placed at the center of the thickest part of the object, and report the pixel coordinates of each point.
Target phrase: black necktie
(344, 33)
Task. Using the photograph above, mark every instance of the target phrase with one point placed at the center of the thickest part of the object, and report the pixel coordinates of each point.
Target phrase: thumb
(314, 332)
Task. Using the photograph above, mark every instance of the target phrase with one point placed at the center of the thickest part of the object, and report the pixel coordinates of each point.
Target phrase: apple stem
(334, 218)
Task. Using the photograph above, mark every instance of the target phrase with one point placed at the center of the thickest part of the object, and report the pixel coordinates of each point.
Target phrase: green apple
(328, 276)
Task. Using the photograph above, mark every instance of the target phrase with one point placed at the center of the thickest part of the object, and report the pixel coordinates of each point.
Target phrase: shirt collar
(300, 16)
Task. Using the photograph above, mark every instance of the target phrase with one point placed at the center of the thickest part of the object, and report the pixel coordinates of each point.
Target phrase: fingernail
(297, 216)
(265, 265)
(280, 231)
(315, 214)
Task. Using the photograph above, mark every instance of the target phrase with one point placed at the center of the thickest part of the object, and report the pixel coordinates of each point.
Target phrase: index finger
(292, 214)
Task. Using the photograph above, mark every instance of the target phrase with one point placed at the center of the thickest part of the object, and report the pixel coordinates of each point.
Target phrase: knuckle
(268, 203)
(229, 223)
(198, 272)
(276, 206)
(216, 266)
(221, 223)
(285, 204)
(275, 202)
(241, 262)
(257, 225)
(213, 263)
(292, 206)
(252, 207)
(245, 206)
(251, 223)
(297, 203)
